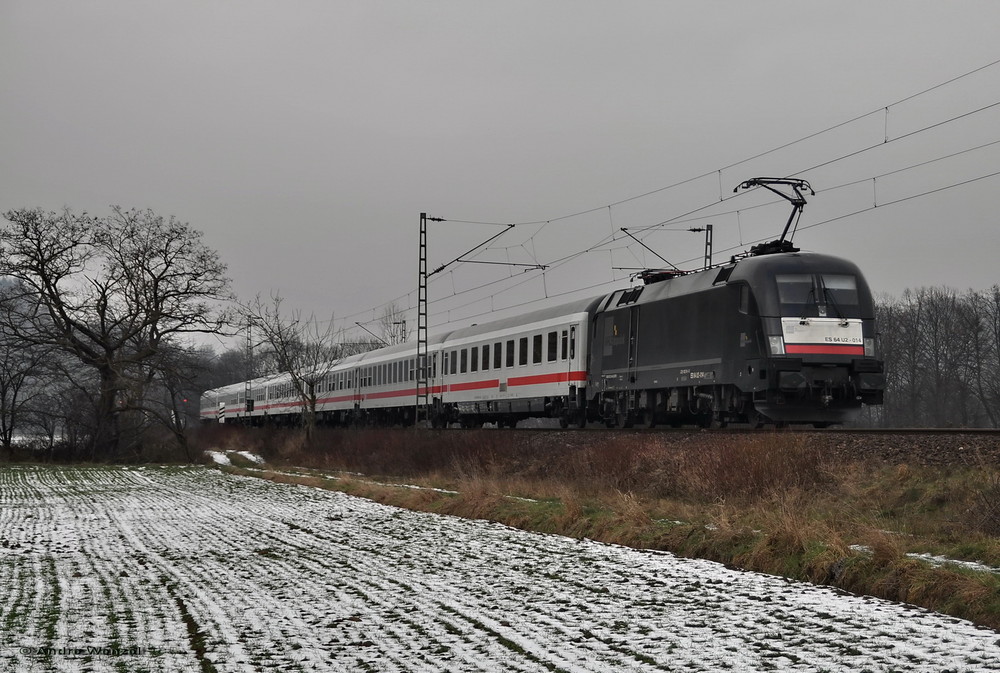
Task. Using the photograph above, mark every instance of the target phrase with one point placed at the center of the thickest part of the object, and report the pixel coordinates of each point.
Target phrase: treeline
(942, 359)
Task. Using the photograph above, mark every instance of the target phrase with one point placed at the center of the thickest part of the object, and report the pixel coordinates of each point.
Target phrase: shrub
(748, 468)
(985, 514)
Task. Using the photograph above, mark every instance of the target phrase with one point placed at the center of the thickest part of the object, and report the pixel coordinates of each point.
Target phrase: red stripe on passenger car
(558, 377)
(333, 400)
(824, 349)
(474, 385)
(401, 393)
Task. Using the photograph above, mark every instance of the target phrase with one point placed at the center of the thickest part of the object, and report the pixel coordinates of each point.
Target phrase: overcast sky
(305, 138)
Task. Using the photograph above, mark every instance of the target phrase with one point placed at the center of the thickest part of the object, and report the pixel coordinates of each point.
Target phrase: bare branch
(305, 349)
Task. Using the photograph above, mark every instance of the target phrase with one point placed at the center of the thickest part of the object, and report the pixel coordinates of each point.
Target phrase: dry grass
(984, 514)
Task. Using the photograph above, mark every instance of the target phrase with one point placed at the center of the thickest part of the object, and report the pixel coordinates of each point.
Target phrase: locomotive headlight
(869, 347)
(777, 345)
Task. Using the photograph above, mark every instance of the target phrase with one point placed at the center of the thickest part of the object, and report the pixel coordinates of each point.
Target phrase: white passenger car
(502, 371)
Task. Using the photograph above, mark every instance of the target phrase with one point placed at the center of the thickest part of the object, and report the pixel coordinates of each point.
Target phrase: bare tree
(305, 349)
(113, 292)
(347, 348)
(991, 388)
(168, 397)
(887, 317)
(393, 325)
(942, 357)
(983, 330)
(229, 366)
(913, 386)
(23, 373)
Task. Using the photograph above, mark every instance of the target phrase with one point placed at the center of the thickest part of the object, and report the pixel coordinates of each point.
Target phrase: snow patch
(936, 561)
(218, 457)
(223, 457)
(943, 560)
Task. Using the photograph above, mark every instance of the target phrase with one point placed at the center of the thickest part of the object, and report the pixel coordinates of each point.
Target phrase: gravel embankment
(913, 447)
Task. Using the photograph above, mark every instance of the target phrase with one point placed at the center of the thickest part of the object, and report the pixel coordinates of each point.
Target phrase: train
(776, 336)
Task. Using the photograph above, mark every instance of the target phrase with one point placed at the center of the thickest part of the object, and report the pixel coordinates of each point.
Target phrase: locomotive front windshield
(823, 295)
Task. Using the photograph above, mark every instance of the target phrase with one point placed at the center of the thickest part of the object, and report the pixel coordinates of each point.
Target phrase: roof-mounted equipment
(650, 276)
(798, 202)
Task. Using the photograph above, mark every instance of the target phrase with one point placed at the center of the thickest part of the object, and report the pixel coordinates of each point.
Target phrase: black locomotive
(786, 337)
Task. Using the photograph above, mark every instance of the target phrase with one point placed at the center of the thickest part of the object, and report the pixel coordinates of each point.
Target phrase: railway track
(741, 429)
(910, 431)
(921, 446)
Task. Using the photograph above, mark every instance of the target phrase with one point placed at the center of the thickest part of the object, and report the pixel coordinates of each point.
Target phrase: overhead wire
(910, 167)
(842, 157)
(897, 138)
(723, 198)
(810, 136)
(868, 209)
(601, 244)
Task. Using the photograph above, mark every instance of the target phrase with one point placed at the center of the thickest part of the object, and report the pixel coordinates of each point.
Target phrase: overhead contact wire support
(422, 399)
(424, 366)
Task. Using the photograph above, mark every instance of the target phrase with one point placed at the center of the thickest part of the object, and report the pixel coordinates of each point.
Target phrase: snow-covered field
(188, 569)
